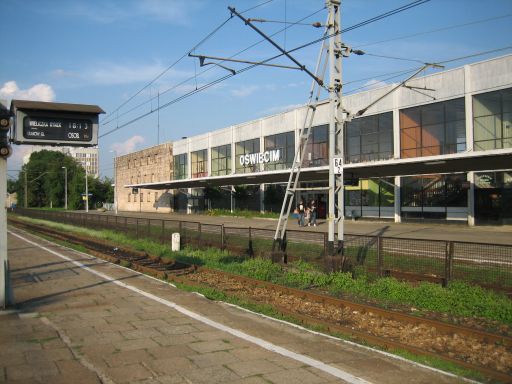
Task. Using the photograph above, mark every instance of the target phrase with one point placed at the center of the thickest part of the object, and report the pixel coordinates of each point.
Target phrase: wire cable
(435, 30)
(211, 68)
(208, 85)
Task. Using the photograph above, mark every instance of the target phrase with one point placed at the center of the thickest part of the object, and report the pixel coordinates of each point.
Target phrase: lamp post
(115, 179)
(65, 188)
(86, 191)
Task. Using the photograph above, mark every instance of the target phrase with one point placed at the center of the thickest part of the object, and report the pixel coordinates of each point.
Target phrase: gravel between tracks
(422, 336)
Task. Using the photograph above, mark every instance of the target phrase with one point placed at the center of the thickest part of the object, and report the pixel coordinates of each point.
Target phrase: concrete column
(398, 184)
(468, 101)
(262, 198)
(471, 199)
(396, 124)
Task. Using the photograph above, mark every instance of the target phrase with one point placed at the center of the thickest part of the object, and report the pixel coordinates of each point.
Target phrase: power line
(203, 40)
(208, 85)
(210, 68)
(475, 55)
(168, 68)
(436, 30)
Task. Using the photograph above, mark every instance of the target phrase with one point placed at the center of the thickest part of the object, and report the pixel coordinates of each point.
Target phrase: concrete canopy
(460, 162)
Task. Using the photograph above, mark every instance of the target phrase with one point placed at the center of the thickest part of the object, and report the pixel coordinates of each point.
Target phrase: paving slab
(105, 323)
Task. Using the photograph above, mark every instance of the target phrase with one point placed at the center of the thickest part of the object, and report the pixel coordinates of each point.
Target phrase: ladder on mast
(279, 243)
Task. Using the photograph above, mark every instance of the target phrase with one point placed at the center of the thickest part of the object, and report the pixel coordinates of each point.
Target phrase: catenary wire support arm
(277, 46)
(203, 57)
(433, 65)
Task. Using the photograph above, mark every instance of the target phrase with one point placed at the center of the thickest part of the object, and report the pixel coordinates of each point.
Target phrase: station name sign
(260, 158)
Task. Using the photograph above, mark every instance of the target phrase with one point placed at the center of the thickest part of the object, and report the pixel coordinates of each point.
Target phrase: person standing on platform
(312, 208)
(301, 207)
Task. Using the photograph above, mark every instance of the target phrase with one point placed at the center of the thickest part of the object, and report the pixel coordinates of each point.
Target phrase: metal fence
(439, 261)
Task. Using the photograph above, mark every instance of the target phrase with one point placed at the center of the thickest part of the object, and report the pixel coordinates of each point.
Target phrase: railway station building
(438, 149)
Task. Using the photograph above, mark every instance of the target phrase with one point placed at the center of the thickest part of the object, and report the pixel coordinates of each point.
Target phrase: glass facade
(370, 198)
(430, 196)
(221, 160)
(199, 163)
(285, 142)
(180, 166)
(493, 198)
(492, 120)
(433, 129)
(369, 138)
(317, 150)
(245, 148)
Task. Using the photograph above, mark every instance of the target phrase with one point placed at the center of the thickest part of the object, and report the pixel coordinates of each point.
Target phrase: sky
(130, 56)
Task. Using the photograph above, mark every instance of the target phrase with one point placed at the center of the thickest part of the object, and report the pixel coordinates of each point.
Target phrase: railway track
(474, 349)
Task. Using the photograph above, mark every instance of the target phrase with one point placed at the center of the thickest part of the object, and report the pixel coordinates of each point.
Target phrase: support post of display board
(38, 123)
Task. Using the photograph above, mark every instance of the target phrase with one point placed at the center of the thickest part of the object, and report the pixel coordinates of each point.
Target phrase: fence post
(162, 232)
(448, 263)
(222, 237)
(199, 237)
(137, 228)
(380, 257)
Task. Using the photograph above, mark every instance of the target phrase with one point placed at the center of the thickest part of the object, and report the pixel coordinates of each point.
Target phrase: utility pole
(65, 188)
(335, 127)
(86, 191)
(115, 179)
(25, 198)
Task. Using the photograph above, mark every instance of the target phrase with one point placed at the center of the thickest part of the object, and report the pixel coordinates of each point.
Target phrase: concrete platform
(82, 320)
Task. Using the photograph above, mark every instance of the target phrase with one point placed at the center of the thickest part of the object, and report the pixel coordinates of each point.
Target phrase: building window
(369, 138)
(135, 198)
(180, 166)
(156, 197)
(370, 198)
(129, 197)
(244, 148)
(492, 120)
(285, 143)
(317, 150)
(429, 196)
(141, 197)
(433, 129)
(149, 197)
(199, 163)
(221, 160)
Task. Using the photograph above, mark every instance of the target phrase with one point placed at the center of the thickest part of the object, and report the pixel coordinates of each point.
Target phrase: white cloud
(176, 12)
(373, 84)
(245, 91)
(127, 146)
(19, 152)
(279, 109)
(38, 92)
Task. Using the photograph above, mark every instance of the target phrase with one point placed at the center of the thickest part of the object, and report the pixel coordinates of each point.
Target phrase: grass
(359, 250)
(459, 299)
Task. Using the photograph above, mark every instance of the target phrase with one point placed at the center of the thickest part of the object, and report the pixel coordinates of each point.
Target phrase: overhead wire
(202, 41)
(211, 68)
(447, 28)
(208, 85)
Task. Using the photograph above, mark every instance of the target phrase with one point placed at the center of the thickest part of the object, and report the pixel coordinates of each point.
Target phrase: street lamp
(115, 179)
(86, 190)
(65, 188)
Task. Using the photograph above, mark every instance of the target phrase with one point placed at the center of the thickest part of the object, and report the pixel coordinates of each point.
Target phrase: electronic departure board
(55, 123)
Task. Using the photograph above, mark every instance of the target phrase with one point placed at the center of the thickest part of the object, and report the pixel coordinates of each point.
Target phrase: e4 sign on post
(338, 165)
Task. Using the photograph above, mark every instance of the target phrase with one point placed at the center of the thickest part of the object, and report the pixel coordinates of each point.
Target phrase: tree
(45, 180)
